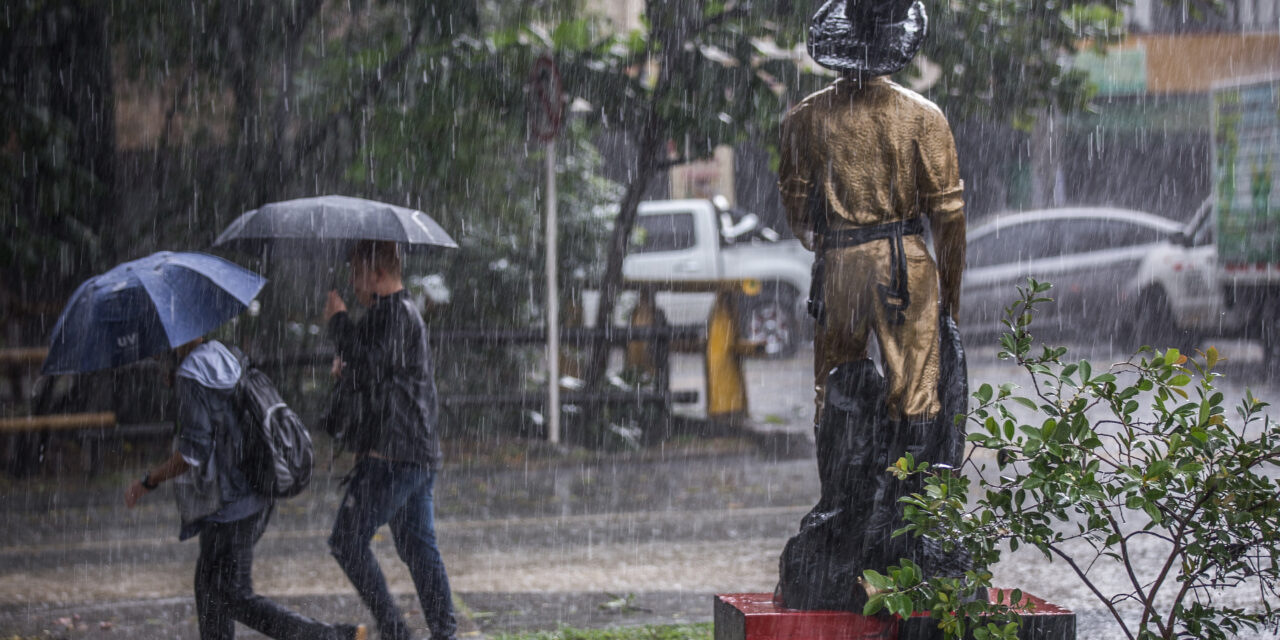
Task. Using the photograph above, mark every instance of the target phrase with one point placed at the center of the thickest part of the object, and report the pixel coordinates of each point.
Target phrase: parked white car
(1116, 273)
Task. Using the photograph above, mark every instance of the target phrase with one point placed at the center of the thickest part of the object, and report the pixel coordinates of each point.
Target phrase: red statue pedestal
(754, 616)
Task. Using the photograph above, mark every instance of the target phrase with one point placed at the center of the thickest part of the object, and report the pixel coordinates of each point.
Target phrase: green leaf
(1153, 512)
(874, 605)
(1190, 467)
(1026, 402)
(984, 394)
(1157, 469)
(636, 41)
(899, 604)
(877, 580)
(572, 35)
(1211, 358)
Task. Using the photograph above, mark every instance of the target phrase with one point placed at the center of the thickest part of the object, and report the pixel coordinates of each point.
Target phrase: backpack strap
(245, 365)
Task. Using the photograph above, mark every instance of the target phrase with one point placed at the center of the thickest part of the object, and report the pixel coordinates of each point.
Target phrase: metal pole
(553, 305)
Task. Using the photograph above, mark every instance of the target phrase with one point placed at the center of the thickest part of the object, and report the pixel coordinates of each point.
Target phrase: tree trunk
(77, 80)
(651, 142)
(670, 27)
(97, 131)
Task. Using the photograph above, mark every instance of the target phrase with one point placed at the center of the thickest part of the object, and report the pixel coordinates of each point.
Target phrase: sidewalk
(478, 613)
(534, 542)
(534, 538)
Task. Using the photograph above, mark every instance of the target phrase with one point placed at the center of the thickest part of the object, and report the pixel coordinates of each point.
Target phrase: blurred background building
(1145, 143)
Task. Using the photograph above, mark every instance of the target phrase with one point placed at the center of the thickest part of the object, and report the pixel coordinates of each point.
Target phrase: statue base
(754, 616)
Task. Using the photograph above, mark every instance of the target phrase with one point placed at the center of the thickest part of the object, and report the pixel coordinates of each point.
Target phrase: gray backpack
(278, 455)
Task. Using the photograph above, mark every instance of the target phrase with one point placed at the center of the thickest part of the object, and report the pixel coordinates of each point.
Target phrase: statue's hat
(875, 37)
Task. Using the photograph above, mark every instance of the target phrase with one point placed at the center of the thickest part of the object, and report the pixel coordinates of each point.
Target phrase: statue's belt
(852, 237)
(895, 297)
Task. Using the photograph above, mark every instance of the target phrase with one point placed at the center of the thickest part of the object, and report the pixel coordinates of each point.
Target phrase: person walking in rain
(861, 161)
(386, 382)
(217, 502)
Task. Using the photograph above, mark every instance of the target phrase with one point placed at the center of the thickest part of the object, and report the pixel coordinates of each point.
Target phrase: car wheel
(1152, 323)
(769, 319)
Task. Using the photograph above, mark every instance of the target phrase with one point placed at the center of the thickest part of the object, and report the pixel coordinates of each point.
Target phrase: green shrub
(1090, 466)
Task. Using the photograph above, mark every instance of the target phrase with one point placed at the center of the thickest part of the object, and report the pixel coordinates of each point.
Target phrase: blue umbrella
(145, 307)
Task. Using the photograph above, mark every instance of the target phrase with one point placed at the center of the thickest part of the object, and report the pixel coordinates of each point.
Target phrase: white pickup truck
(678, 245)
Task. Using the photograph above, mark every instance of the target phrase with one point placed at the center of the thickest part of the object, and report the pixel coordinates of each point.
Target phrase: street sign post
(546, 109)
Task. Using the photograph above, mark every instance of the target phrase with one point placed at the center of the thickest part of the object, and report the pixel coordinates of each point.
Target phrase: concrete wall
(1194, 63)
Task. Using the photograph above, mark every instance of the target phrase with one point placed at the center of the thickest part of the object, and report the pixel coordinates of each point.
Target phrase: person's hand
(338, 364)
(333, 305)
(134, 493)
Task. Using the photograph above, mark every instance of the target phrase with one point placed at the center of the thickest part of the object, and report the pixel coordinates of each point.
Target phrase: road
(531, 546)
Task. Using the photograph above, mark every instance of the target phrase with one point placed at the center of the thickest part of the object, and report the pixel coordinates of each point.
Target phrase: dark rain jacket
(388, 367)
(211, 440)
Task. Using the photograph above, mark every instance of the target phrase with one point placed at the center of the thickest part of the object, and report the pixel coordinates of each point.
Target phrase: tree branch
(1092, 587)
(1125, 559)
(1168, 565)
(292, 50)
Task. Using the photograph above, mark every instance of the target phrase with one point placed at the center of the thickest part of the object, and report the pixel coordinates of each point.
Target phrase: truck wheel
(1270, 332)
(770, 319)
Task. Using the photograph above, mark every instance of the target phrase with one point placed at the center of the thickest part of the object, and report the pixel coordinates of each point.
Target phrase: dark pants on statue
(224, 588)
(399, 494)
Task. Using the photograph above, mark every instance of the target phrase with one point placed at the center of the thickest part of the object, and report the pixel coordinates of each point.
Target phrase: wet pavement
(609, 541)
(531, 542)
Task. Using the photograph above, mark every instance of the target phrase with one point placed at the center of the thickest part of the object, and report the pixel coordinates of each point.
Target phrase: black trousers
(224, 588)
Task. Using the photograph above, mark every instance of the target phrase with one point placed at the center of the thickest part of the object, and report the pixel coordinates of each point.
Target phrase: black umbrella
(331, 220)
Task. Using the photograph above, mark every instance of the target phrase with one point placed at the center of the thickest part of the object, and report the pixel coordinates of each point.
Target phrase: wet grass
(652, 632)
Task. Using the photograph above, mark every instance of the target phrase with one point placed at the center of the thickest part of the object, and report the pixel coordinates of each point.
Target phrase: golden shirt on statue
(878, 153)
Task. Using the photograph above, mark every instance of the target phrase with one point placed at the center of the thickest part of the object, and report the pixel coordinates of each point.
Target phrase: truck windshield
(663, 232)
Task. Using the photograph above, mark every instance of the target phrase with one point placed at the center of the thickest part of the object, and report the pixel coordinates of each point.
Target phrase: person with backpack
(217, 500)
(385, 410)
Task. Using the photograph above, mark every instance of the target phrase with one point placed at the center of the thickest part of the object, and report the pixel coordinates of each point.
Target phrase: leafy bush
(1104, 470)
